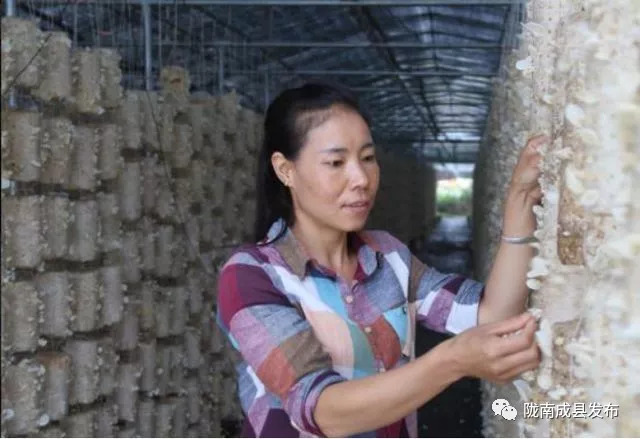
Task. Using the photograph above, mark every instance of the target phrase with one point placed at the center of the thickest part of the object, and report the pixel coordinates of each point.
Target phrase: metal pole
(269, 13)
(146, 18)
(159, 38)
(267, 98)
(10, 11)
(220, 70)
(10, 8)
(75, 25)
(98, 19)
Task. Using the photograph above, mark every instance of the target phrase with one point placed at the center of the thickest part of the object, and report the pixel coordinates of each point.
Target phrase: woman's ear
(282, 167)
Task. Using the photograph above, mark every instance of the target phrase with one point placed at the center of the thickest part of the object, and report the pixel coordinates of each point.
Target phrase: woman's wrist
(519, 219)
(451, 359)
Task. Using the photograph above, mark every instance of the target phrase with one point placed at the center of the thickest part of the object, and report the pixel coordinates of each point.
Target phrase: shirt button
(349, 299)
(367, 329)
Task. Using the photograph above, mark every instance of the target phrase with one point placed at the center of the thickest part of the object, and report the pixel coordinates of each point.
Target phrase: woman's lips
(358, 207)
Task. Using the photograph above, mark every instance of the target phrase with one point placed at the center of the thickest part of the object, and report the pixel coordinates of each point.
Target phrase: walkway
(456, 411)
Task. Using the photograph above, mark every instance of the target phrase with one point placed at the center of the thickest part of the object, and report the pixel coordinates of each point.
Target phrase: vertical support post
(10, 11)
(146, 18)
(213, 39)
(10, 8)
(98, 18)
(220, 70)
(159, 37)
(269, 17)
(75, 25)
(201, 63)
(267, 98)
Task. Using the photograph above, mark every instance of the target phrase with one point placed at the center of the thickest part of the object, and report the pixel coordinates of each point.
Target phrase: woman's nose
(358, 176)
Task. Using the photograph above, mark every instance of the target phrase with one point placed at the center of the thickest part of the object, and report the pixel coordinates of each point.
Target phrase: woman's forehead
(342, 129)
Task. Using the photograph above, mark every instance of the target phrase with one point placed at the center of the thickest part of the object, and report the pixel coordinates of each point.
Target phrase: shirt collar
(297, 259)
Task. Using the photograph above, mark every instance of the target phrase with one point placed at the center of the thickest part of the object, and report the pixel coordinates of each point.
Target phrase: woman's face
(335, 178)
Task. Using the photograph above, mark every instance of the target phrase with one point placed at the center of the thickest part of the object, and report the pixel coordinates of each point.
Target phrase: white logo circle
(503, 408)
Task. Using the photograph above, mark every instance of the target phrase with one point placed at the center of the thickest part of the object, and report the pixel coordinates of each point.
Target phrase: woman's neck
(328, 246)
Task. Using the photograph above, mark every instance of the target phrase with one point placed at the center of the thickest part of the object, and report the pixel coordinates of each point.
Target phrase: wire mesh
(380, 51)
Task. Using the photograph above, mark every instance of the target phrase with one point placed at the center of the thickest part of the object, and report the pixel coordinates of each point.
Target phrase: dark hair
(289, 118)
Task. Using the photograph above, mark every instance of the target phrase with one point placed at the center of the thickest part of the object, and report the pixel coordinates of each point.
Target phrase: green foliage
(453, 199)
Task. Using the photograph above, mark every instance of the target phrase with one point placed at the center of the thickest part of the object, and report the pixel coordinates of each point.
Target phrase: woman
(323, 313)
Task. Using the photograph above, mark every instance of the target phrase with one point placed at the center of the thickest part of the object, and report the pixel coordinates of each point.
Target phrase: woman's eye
(335, 163)
(370, 158)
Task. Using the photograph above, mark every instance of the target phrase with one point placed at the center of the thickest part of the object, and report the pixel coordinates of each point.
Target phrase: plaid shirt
(300, 328)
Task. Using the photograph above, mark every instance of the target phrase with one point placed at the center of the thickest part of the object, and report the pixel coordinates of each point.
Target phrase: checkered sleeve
(275, 340)
(446, 303)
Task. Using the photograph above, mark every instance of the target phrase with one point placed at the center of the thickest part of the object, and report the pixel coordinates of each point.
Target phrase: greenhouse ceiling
(424, 69)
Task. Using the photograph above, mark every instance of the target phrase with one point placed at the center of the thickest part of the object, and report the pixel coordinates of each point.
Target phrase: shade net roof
(424, 69)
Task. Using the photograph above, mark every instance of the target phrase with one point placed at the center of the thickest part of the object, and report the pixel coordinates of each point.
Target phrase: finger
(537, 141)
(518, 370)
(517, 342)
(514, 361)
(529, 162)
(534, 145)
(536, 193)
(534, 160)
(510, 325)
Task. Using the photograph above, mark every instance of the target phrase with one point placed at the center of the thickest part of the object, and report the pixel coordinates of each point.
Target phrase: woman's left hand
(524, 190)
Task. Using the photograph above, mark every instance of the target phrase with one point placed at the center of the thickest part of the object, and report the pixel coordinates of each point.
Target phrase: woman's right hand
(498, 351)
